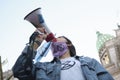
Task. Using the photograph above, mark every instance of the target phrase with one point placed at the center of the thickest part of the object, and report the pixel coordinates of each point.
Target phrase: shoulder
(87, 60)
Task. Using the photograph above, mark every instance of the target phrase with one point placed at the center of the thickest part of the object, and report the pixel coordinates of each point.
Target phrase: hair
(71, 47)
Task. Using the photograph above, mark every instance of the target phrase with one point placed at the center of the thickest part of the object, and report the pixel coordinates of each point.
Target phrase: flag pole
(1, 73)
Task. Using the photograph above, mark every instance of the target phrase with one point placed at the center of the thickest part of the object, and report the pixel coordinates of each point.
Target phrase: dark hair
(71, 48)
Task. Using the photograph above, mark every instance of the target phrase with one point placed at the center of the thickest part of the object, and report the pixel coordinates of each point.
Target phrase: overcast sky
(76, 19)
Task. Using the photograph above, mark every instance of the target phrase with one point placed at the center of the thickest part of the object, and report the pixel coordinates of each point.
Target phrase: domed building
(108, 47)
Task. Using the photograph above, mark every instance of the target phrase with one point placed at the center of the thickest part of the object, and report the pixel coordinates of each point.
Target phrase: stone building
(108, 47)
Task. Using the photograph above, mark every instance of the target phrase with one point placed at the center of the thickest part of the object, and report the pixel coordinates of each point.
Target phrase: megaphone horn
(35, 17)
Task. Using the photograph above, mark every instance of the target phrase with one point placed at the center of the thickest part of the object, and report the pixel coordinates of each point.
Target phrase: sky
(76, 19)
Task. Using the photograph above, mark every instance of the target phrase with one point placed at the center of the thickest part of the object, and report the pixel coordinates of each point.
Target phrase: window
(105, 59)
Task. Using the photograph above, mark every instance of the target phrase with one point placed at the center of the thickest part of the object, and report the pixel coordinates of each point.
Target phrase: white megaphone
(35, 17)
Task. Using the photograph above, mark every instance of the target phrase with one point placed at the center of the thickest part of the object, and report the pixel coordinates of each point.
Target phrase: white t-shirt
(71, 69)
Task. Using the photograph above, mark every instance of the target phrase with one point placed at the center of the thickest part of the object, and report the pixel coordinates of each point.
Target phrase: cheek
(54, 50)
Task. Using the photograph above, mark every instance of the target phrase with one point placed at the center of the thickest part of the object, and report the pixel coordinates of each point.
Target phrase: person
(67, 65)
(22, 69)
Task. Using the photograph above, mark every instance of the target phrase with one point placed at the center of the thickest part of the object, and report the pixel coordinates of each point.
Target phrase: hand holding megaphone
(47, 36)
(35, 17)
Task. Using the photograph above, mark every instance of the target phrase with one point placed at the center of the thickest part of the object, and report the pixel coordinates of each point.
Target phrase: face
(59, 47)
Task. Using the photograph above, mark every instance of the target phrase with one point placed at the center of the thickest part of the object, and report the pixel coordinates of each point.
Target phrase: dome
(101, 39)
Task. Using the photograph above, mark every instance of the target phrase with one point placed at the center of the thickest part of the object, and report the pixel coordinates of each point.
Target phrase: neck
(66, 55)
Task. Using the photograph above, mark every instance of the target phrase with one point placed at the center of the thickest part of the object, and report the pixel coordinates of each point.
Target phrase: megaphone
(35, 17)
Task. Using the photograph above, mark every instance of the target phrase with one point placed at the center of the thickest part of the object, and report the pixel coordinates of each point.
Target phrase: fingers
(41, 29)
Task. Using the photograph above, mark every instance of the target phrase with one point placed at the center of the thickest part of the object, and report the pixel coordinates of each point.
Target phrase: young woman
(66, 65)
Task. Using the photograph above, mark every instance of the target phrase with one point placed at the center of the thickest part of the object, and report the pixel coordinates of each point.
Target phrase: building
(108, 47)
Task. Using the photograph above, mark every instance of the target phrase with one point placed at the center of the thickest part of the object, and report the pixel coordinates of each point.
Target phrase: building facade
(108, 48)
